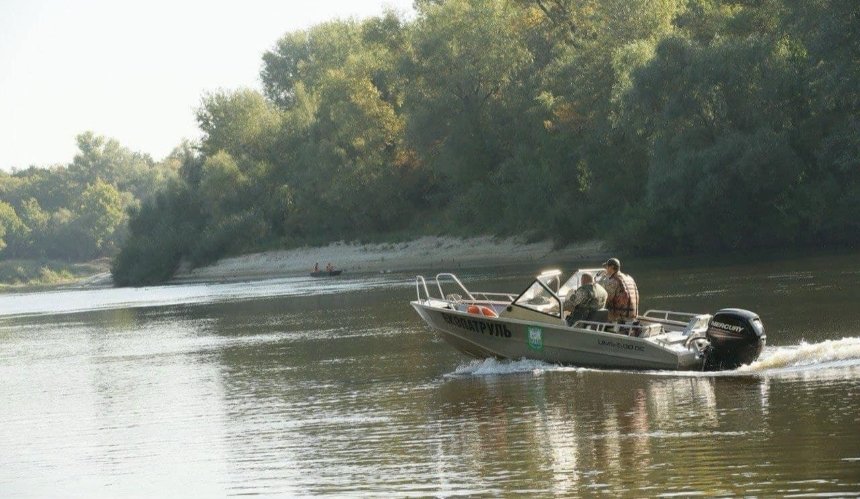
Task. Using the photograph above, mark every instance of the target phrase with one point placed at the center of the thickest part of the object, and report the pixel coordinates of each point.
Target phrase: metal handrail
(452, 276)
(599, 325)
(604, 325)
(421, 282)
(487, 295)
(667, 313)
(420, 279)
(662, 316)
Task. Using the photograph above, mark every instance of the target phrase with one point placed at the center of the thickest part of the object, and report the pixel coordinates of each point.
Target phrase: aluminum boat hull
(508, 338)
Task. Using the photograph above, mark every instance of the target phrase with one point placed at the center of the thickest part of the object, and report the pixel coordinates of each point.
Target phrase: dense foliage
(79, 211)
(662, 125)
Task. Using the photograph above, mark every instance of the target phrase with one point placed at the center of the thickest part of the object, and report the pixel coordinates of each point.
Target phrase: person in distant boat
(588, 298)
(329, 267)
(317, 267)
(622, 294)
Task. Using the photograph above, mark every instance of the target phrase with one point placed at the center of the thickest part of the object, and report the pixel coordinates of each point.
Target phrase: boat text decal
(535, 338)
(477, 326)
(623, 346)
(727, 327)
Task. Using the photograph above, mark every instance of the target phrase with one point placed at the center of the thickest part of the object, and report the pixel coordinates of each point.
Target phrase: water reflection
(93, 411)
(347, 393)
(622, 437)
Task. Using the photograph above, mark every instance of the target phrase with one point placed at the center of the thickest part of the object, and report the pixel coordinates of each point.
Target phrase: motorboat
(326, 273)
(532, 325)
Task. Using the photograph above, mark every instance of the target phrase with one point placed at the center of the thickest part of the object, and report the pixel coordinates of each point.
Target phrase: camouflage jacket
(622, 296)
(587, 296)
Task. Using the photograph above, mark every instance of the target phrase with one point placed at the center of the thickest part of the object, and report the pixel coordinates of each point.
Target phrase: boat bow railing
(489, 296)
(419, 283)
(455, 279)
(472, 296)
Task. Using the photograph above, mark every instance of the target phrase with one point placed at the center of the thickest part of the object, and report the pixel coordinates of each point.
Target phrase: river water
(335, 387)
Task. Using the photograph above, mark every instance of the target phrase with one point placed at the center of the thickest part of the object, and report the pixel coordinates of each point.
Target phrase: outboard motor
(735, 337)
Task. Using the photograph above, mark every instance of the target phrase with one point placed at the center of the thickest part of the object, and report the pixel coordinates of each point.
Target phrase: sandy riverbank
(420, 254)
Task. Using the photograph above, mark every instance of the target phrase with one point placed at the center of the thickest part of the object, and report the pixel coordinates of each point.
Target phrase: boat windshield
(540, 299)
(552, 279)
(575, 280)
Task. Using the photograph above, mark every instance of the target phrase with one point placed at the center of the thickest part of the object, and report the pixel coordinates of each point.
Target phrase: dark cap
(612, 262)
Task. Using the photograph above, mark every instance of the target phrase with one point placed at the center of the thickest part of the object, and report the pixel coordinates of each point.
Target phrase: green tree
(11, 226)
(720, 177)
(304, 57)
(161, 233)
(664, 125)
(830, 134)
(242, 123)
(36, 220)
(342, 158)
(99, 216)
(221, 183)
(101, 158)
(467, 60)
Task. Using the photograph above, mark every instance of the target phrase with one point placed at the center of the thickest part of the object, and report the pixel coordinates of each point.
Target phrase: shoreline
(428, 252)
(425, 253)
(33, 275)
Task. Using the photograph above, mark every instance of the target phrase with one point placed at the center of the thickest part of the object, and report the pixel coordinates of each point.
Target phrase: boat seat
(648, 330)
(601, 315)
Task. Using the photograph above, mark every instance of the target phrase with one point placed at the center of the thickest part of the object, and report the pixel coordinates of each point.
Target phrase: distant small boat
(326, 273)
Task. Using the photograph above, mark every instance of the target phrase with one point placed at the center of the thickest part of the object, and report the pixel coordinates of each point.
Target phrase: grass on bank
(37, 273)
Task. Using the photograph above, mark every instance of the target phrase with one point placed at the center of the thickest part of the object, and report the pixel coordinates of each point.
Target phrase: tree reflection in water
(590, 429)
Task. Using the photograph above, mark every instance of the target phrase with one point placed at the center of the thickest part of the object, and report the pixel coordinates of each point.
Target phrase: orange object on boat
(482, 310)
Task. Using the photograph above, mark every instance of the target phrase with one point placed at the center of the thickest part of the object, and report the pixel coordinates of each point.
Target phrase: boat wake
(804, 356)
(775, 361)
(495, 367)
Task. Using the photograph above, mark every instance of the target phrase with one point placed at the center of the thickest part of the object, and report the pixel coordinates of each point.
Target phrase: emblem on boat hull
(535, 338)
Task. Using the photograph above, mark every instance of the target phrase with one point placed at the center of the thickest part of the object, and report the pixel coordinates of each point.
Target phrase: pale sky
(134, 70)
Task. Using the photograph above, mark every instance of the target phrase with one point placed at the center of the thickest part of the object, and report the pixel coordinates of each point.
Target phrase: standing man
(622, 294)
(589, 297)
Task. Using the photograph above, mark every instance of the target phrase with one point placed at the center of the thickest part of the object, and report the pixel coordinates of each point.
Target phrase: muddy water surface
(335, 387)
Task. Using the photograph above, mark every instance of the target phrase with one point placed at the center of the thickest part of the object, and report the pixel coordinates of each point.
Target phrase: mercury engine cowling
(735, 337)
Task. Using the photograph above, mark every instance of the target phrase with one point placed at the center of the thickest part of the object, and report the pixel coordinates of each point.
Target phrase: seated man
(588, 298)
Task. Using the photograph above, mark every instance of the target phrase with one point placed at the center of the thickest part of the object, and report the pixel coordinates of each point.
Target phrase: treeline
(77, 212)
(660, 125)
